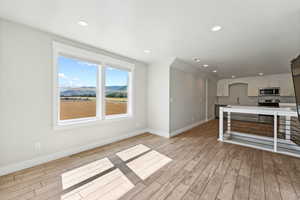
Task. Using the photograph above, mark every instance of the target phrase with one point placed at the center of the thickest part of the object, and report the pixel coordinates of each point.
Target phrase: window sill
(112, 117)
(70, 124)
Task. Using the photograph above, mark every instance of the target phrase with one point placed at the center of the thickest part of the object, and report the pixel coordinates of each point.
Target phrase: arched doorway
(238, 94)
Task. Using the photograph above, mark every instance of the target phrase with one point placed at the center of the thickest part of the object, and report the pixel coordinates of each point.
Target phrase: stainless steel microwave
(274, 91)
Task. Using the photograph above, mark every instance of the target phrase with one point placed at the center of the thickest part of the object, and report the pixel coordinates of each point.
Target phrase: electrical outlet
(37, 146)
(137, 124)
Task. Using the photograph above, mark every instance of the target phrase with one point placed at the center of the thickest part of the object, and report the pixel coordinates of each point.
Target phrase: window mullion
(98, 94)
(129, 94)
(103, 104)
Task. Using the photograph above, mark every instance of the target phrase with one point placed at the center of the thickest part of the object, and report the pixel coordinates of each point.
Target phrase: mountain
(116, 88)
(116, 91)
(90, 91)
(78, 92)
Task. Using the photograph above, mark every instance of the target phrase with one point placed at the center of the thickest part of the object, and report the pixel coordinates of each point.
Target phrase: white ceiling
(257, 36)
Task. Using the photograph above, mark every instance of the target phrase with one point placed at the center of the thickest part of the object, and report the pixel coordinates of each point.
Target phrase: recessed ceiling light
(197, 60)
(261, 74)
(147, 51)
(83, 23)
(232, 76)
(205, 65)
(215, 71)
(216, 28)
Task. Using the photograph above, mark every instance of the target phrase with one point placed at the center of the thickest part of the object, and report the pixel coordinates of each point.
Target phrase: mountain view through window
(116, 91)
(78, 86)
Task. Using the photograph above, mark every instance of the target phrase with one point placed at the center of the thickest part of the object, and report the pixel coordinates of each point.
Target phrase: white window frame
(129, 93)
(60, 49)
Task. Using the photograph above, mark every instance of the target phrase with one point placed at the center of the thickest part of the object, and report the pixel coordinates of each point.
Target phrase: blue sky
(76, 73)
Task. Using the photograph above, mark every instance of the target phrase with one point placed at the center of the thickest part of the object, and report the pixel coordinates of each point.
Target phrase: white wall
(26, 102)
(158, 97)
(212, 96)
(188, 90)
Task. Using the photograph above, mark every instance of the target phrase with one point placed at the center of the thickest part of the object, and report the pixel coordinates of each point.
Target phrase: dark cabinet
(217, 109)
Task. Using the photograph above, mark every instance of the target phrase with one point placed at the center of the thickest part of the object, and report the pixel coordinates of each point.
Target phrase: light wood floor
(201, 168)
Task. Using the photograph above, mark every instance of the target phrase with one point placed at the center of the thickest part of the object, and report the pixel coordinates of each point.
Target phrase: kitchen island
(280, 136)
(250, 117)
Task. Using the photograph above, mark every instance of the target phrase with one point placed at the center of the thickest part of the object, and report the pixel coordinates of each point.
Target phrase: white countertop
(261, 110)
(261, 107)
(292, 105)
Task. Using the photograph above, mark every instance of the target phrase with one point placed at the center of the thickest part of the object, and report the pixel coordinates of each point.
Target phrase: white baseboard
(158, 132)
(211, 118)
(179, 131)
(43, 159)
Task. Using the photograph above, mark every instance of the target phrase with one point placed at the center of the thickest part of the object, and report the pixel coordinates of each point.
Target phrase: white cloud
(75, 79)
(70, 81)
(62, 75)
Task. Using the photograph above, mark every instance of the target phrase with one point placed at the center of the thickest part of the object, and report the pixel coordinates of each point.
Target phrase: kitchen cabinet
(286, 86)
(262, 83)
(253, 88)
(274, 82)
(283, 81)
(217, 109)
(223, 88)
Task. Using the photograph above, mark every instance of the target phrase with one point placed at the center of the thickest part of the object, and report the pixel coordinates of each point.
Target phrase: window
(116, 91)
(77, 88)
(89, 86)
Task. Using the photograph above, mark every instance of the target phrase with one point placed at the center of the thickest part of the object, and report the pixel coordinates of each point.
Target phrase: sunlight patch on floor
(110, 186)
(132, 152)
(80, 174)
(149, 163)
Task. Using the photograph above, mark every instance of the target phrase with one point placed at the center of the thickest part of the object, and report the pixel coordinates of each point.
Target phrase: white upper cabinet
(286, 86)
(253, 88)
(222, 88)
(274, 82)
(283, 81)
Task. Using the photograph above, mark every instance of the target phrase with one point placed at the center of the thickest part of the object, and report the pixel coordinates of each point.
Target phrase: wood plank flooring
(201, 168)
(132, 152)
